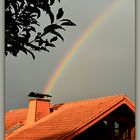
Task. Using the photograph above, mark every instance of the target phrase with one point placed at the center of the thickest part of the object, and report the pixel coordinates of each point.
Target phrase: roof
(68, 119)
(13, 117)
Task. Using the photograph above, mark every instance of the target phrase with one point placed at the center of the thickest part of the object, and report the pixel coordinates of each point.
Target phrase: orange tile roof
(69, 118)
(13, 117)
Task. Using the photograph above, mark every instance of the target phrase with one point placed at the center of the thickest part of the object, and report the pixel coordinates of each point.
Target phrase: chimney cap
(39, 95)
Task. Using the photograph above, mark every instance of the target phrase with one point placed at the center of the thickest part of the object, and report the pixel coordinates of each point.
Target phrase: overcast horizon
(103, 66)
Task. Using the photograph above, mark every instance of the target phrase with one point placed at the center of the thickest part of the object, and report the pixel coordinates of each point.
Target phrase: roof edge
(80, 129)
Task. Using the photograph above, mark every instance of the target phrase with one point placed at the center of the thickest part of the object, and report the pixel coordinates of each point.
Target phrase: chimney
(39, 107)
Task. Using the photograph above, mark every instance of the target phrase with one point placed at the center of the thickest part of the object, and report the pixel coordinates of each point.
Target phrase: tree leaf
(53, 39)
(45, 49)
(56, 33)
(51, 15)
(60, 13)
(68, 23)
(51, 28)
(65, 19)
(24, 50)
(33, 47)
(33, 56)
(49, 44)
(46, 42)
(41, 42)
(38, 12)
(32, 28)
(52, 2)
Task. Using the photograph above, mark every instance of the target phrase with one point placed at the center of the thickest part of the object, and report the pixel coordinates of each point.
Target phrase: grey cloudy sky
(104, 65)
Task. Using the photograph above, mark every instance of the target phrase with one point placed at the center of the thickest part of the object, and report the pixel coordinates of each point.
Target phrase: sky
(103, 65)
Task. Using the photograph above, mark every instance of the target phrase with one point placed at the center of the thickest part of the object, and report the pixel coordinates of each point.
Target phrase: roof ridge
(85, 100)
(76, 101)
(16, 109)
(20, 129)
(18, 125)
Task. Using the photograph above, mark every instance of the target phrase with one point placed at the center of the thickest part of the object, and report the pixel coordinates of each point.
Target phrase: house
(106, 118)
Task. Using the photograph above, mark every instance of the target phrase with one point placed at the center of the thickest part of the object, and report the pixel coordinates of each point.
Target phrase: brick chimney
(39, 107)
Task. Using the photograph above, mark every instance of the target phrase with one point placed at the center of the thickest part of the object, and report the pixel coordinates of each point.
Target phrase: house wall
(96, 132)
(133, 133)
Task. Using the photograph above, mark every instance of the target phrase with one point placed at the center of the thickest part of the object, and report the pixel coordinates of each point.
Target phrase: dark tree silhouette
(21, 23)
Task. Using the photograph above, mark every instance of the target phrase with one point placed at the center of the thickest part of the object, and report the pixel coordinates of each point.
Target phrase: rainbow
(79, 42)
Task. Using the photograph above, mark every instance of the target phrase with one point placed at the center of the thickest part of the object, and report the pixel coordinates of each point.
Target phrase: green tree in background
(22, 22)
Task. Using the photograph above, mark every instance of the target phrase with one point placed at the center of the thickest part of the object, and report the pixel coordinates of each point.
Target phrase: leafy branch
(21, 22)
